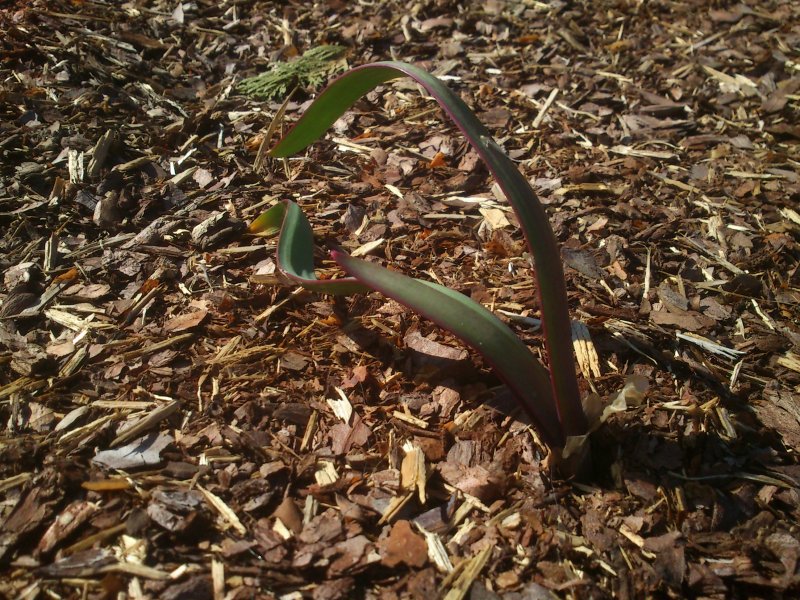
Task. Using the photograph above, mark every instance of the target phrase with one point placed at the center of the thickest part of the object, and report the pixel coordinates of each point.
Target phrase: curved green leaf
(345, 90)
(477, 327)
(295, 254)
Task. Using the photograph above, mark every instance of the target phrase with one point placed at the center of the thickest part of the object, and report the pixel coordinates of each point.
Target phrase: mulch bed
(177, 423)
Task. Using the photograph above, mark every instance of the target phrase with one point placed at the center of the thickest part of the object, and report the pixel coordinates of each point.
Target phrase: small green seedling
(549, 396)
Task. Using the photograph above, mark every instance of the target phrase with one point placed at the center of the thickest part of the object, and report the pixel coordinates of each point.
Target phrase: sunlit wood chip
(69, 320)
(227, 349)
(749, 175)
(437, 553)
(791, 361)
(151, 349)
(604, 565)
(179, 572)
(14, 481)
(470, 201)
(84, 430)
(471, 571)
(512, 521)
(100, 152)
(368, 247)
(545, 107)
(764, 316)
(394, 507)
(461, 535)
(616, 76)
(470, 501)
(571, 538)
(137, 570)
(463, 419)
(74, 363)
(66, 523)
(183, 176)
(151, 420)
(311, 430)
(397, 414)
(224, 510)
(737, 369)
(75, 165)
(635, 152)
(131, 549)
(709, 345)
(790, 214)
(590, 187)
(675, 183)
(218, 578)
(394, 189)
(342, 407)
(495, 217)
(309, 509)
(326, 473)
(635, 538)
(738, 83)
(588, 361)
(281, 529)
(345, 144)
(412, 471)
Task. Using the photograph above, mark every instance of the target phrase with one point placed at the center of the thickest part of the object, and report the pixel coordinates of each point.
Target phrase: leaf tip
(337, 255)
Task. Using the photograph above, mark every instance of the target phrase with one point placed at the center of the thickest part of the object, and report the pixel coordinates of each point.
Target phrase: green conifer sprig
(312, 69)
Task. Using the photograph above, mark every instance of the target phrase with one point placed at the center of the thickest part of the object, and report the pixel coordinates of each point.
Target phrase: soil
(178, 422)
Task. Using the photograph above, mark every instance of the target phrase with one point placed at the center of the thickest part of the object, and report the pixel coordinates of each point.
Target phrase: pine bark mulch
(177, 423)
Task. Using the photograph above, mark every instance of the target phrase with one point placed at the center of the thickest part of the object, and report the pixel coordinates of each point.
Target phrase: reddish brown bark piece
(403, 546)
(477, 481)
(185, 321)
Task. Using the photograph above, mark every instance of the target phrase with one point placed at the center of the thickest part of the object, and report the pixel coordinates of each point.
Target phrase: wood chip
(224, 510)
